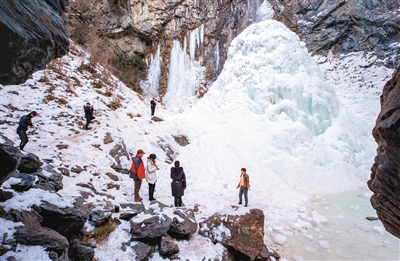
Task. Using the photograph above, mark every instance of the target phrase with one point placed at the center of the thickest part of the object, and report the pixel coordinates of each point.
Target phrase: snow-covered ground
(301, 126)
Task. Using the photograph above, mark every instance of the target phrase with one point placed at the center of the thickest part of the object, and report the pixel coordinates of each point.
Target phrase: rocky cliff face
(385, 178)
(32, 34)
(345, 26)
(133, 30)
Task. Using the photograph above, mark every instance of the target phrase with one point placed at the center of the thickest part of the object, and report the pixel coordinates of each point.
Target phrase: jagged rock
(156, 119)
(81, 252)
(167, 246)
(28, 218)
(99, 217)
(67, 221)
(118, 152)
(31, 41)
(29, 163)
(142, 251)
(62, 146)
(244, 233)
(112, 176)
(184, 225)
(5, 195)
(344, 26)
(52, 182)
(26, 182)
(149, 228)
(181, 140)
(10, 158)
(127, 215)
(266, 254)
(108, 139)
(77, 169)
(385, 180)
(139, 208)
(41, 236)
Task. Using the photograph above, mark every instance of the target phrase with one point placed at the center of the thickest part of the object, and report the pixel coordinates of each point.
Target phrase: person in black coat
(153, 106)
(178, 184)
(24, 124)
(88, 108)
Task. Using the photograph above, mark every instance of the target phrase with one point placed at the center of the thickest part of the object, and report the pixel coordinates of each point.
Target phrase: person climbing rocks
(88, 109)
(178, 184)
(23, 125)
(244, 185)
(137, 173)
(151, 174)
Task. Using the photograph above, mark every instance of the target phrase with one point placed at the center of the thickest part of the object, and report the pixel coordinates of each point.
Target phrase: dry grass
(101, 232)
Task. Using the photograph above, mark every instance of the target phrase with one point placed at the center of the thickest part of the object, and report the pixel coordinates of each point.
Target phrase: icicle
(150, 85)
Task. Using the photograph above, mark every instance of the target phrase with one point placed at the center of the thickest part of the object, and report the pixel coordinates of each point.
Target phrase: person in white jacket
(151, 174)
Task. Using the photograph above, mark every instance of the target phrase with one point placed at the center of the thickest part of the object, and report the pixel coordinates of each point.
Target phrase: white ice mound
(274, 70)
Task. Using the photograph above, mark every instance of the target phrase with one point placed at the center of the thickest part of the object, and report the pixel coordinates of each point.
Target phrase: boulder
(5, 195)
(41, 236)
(81, 252)
(385, 180)
(26, 182)
(142, 251)
(244, 233)
(167, 246)
(67, 221)
(28, 218)
(29, 163)
(150, 228)
(183, 223)
(99, 217)
(10, 158)
(30, 39)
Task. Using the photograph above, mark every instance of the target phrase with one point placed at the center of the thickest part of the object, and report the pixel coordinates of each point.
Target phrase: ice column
(150, 85)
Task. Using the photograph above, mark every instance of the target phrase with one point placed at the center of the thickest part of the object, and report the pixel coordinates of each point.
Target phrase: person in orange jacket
(244, 185)
(137, 173)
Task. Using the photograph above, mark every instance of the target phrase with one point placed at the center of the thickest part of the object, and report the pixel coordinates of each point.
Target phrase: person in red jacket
(137, 173)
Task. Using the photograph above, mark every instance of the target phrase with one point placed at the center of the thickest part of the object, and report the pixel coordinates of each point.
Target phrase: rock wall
(32, 34)
(385, 176)
(345, 26)
(136, 28)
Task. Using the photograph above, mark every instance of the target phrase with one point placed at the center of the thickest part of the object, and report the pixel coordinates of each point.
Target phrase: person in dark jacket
(178, 184)
(137, 173)
(88, 108)
(153, 106)
(24, 124)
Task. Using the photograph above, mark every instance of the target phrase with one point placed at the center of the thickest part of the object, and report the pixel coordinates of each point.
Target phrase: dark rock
(385, 180)
(62, 146)
(5, 195)
(99, 217)
(244, 233)
(112, 176)
(108, 139)
(29, 163)
(77, 169)
(25, 184)
(127, 215)
(10, 158)
(181, 140)
(28, 218)
(81, 252)
(64, 171)
(344, 26)
(142, 251)
(266, 254)
(118, 152)
(167, 246)
(184, 225)
(139, 208)
(67, 221)
(156, 119)
(152, 227)
(118, 168)
(31, 41)
(11, 258)
(372, 218)
(42, 236)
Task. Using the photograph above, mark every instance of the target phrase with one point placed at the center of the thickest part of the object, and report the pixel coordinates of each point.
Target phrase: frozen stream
(347, 234)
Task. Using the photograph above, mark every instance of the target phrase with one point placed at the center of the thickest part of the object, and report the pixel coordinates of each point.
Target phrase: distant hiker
(151, 175)
(24, 124)
(137, 173)
(88, 108)
(244, 185)
(153, 106)
(178, 184)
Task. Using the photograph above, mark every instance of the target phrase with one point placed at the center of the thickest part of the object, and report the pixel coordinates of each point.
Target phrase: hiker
(137, 173)
(24, 124)
(88, 108)
(178, 184)
(151, 174)
(153, 106)
(244, 185)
